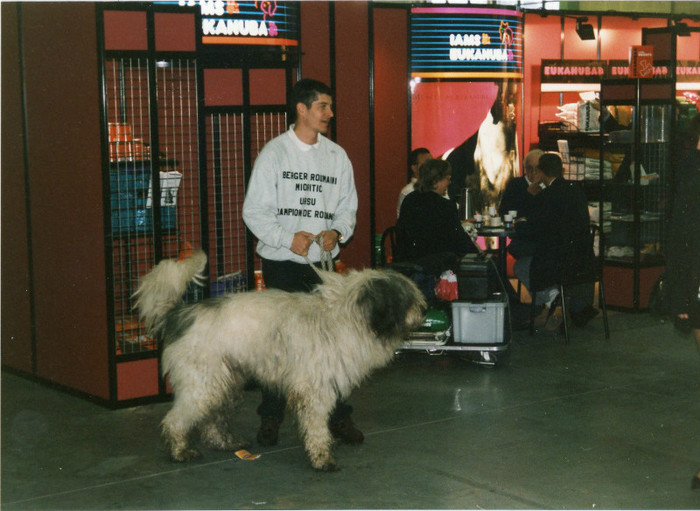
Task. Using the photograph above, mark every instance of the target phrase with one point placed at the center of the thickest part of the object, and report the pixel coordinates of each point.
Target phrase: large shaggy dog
(315, 347)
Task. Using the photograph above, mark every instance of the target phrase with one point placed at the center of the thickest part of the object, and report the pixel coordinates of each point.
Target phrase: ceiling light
(584, 30)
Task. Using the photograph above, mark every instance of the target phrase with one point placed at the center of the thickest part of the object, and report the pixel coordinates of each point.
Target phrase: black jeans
(292, 277)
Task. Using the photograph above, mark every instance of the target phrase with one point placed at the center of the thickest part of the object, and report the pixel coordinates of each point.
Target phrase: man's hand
(330, 240)
(301, 243)
(534, 188)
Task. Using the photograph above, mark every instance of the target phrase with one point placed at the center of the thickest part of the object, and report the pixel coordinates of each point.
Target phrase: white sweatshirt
(299, 187)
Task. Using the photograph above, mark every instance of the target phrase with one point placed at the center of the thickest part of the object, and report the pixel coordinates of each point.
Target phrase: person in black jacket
(428, 223)
(682, 277)
(559, 218)
(517, 198)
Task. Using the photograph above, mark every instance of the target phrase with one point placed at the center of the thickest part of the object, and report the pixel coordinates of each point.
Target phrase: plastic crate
(479, 322)
(232, 283)
(129, 202)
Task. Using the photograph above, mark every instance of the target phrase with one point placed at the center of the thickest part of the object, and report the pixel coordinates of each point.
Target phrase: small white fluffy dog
(314, 347)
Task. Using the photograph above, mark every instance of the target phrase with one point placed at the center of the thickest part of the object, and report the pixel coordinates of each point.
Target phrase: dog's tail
(163, 288)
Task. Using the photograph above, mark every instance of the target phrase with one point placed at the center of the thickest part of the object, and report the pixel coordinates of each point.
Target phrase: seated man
(417, 158)
(516, 197)
(559, 218)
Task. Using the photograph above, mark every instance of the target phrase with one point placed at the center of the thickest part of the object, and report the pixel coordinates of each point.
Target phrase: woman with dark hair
(428, 222)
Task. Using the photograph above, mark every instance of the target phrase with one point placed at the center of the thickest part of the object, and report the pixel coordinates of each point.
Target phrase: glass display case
(635, 132)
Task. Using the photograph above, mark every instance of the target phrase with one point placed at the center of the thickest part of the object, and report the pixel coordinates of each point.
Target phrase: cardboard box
(479, 322)
(641, 59)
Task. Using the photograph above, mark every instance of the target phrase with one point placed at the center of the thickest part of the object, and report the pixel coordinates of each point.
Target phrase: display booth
(137, 128)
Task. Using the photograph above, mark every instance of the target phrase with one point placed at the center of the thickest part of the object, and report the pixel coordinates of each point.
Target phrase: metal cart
(476, 327)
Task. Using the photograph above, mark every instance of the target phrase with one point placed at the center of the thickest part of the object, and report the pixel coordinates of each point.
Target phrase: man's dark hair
(550, 165)
(413, 158)
(306, 91)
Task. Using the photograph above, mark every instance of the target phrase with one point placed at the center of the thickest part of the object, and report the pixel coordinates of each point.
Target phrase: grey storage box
(482, 322)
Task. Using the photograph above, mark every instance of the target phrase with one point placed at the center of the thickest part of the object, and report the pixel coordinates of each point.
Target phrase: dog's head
(392, 304)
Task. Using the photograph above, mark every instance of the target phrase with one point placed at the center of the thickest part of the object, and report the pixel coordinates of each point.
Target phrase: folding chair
(580, 266)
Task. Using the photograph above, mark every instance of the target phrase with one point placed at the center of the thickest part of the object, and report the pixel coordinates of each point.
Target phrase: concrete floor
(594, 425)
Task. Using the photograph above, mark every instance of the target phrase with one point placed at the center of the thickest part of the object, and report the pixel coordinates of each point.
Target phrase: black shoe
(521, 325)
(346, 431)
(581, 318)
(269, 431)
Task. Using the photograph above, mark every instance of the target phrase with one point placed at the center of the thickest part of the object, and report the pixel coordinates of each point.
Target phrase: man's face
(531, 169)
(420, 160)
(318, 117)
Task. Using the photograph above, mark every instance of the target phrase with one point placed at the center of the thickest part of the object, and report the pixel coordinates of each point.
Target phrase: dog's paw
(227, 442)
(325, 465)
(330, 466)
(184, 455)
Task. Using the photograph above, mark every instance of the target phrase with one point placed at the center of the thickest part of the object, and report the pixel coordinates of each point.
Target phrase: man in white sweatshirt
(302, 190)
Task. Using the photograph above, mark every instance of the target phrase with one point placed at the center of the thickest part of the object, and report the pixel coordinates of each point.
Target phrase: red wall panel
(390, 112)
(352, 116)
(65, 187)
(223, 87)
(16, 314)
(688, 47)
(541, 38)
(137, 379)
(267, 87)
(174, 32)
(125, 30)
(618, 34)
(315, 41)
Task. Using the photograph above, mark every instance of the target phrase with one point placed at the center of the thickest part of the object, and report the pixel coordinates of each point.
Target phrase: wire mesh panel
(179, 153)
(130, 170)
(226, 184)
(146, 227)
(265, 126)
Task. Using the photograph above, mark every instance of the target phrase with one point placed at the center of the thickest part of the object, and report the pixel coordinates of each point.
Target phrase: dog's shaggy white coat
(314, 347)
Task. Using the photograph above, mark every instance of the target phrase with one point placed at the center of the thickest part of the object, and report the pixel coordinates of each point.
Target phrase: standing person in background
(682, 275)
(301, 199)
(682, 278)
(415, 160)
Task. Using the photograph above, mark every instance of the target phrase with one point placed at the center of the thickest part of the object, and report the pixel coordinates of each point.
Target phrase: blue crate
(231, 283)
(144, 218)
(128, 197)
(133, 182)
(141, 219)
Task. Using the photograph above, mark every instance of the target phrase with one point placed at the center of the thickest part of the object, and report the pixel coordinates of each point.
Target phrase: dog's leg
(178, 425)
(216, 432)
(176, 429)
(313, 408)
(197, 394)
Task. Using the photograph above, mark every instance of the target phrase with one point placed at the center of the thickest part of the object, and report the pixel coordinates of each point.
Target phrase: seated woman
(429, 234)
(428, 230)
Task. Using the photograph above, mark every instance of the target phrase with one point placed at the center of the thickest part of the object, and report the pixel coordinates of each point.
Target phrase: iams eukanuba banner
(466, 43)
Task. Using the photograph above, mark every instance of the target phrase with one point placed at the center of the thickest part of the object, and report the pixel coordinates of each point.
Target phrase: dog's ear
(385, 301)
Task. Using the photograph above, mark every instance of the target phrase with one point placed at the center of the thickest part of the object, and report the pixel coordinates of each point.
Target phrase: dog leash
(326, 257)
